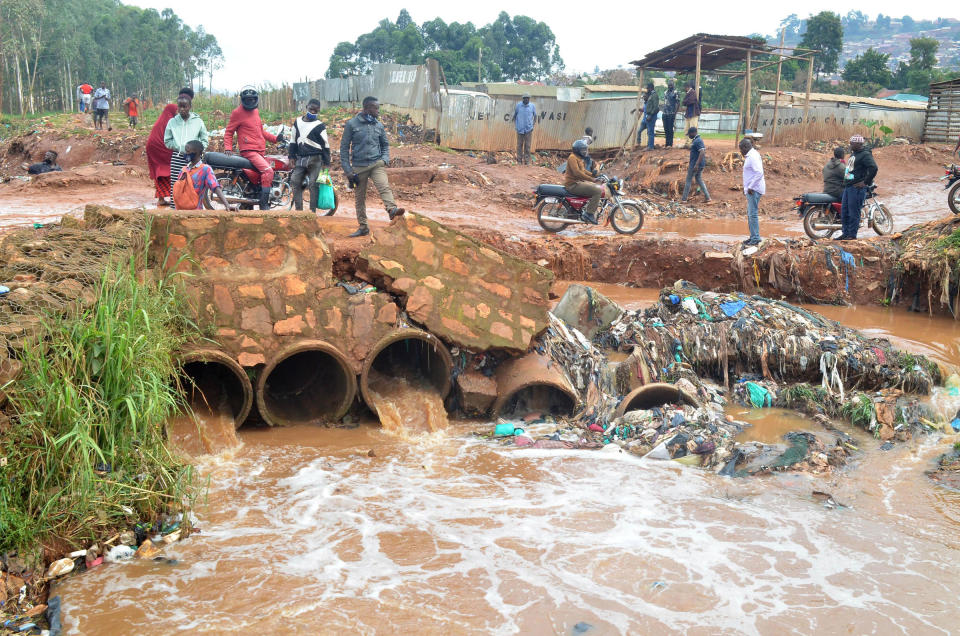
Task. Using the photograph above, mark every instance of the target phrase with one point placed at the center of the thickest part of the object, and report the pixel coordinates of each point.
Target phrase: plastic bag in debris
(953, 384)
(759, 396)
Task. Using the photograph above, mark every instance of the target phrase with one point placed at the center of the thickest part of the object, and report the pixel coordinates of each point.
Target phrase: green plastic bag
(326, 200)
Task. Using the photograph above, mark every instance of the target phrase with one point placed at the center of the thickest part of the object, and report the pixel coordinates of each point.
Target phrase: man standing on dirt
(754, 187)
(651, 106)
(698, 159)
(524, 119)
(101, 107)
(861, 169)
(364, 156)
(309, 151)
(692, 103)
(671, 99)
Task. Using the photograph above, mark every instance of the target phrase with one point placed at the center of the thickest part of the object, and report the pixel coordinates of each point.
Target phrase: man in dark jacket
(671, 99)
(691, 101)
(651, 106)
(309, 151)
(49, 164)
(861, 169)
(364, 155)
(833, 174)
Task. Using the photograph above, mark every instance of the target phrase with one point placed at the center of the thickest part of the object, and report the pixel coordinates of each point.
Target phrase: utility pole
(479, 61)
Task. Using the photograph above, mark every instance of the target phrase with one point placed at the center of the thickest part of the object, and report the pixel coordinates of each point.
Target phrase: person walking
(158, 155)
(309, 151)
(651, 106)
(754, 187)
(364, 156)
(524, 119)
(691, 101)
(101, 107)
(132, 106)
(861, 169)
(698, 159)
(671, 99)
(83, 97)
(186, 126)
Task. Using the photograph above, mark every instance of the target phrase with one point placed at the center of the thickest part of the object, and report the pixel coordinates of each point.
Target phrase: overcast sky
(285, 41)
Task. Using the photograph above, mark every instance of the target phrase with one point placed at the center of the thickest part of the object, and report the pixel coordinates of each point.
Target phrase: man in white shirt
(754, 187)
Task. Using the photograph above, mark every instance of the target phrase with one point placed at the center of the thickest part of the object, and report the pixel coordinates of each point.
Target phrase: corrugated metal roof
(682, 56)
(613, 88)
(787, 98)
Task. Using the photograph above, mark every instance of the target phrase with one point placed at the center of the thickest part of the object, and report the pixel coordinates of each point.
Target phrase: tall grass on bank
(86, 451)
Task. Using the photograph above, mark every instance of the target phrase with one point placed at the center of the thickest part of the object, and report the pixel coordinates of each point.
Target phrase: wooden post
(776, 95)
(748, 86)
(742, 121)
(479, 63)
(696, 80)
(636, 120)
(806, 104)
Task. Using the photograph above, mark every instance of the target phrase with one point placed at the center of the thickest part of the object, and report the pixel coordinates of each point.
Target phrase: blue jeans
(753, 218)
(695, 173)
(850, 206)
(651, 131)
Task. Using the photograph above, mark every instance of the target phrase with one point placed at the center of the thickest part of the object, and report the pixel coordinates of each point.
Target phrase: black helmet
(249, 97)
(580, 147)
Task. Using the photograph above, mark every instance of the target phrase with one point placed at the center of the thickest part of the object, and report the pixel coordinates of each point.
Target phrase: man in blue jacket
(364, 155)
(524, 118)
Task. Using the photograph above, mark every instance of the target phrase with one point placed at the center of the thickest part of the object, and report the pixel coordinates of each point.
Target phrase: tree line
(509, 48)
(49, 47)
(869, 71)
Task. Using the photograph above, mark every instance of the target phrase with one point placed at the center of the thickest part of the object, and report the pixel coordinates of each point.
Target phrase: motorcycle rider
(578, 181)
(861, 169)
(833, 174)
(308, 151)
(251, 139)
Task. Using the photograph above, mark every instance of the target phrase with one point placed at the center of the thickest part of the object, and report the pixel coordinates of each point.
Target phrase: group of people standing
(671, 106)
(97, 102)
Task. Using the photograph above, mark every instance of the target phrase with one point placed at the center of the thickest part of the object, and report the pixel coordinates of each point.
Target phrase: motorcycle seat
(548, 190)
(820, 197)
(221, 160)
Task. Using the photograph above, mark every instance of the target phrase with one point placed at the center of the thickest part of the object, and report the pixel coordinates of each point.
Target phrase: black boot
(265, 199)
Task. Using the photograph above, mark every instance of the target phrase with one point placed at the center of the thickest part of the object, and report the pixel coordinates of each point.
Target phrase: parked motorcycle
(821, 214)
(241, 183)
(952, 177)
(556, 208)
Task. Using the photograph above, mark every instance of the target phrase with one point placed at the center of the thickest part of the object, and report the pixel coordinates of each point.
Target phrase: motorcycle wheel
(554, 209)
(815, 215)
(628, 220)
(212, 202)
(882, 221)
(953, 198)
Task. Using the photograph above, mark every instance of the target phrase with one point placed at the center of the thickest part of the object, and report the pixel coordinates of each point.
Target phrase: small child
(202, 175)
(132, 105)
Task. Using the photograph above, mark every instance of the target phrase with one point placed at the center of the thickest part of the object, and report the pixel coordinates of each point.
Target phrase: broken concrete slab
(464, 291)
(587, 310)
(477, 392)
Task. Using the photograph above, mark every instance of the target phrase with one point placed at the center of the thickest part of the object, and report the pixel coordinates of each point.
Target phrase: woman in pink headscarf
(158, 155)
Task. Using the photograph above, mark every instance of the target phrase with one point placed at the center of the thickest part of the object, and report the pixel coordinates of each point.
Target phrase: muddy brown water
(303, 531)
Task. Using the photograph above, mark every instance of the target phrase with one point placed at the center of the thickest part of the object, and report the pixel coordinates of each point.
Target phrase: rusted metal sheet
(471, 122)
(837, 122)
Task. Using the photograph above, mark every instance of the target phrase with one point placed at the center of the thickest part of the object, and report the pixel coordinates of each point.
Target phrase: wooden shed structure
(713, 53)
(943, 112)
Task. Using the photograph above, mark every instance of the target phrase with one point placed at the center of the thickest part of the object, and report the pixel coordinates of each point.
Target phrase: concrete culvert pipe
(530, 384)
(213, 381)
(411, 354)
(653, 395)
(309, 382)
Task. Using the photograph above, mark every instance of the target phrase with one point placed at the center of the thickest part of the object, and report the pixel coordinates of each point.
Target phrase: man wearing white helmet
(861, 169)
(251, 139)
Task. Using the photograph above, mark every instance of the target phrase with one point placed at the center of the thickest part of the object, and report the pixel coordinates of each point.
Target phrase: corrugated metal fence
(469, 120)
(837, 122)
(943, 112)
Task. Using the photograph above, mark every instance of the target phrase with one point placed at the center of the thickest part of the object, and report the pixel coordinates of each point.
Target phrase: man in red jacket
(251, 139)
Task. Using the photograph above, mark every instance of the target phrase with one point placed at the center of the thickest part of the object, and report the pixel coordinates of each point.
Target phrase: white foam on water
(469, 537)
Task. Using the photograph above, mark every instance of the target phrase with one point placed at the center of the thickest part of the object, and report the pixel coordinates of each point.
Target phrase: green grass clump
(859, 411)
(949, 242)
(86, 452)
